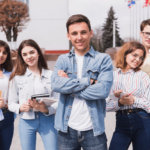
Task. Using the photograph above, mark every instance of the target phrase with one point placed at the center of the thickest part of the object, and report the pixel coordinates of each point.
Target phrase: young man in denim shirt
(83, 77)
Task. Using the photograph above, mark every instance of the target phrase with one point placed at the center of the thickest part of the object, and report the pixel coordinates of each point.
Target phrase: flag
(130, 3)
(146, 3)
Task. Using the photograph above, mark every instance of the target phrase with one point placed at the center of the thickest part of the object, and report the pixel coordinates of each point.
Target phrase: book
(48, 101)
(112, 96)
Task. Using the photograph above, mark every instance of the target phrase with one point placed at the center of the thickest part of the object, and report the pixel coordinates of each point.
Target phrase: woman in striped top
(130, 98)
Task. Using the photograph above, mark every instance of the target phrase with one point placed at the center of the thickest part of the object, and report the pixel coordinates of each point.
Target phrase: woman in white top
(6, 117)
(130, 98)
(31, 76)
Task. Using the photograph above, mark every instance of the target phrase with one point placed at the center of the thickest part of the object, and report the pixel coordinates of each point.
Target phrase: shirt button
(73, 95)
(85, 86)
(75, 62)
(67, 116)
(93, 73)
(69, 106)
(75, 72)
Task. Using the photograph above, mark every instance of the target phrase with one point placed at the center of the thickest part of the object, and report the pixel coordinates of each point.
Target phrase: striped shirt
(134, 83)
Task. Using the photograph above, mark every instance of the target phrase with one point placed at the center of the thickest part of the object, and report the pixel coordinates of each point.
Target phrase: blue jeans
(131, 127)
(6, 130)
(42, 124)
(74, 141)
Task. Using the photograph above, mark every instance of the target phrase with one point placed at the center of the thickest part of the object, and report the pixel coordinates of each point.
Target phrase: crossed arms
(82, 88)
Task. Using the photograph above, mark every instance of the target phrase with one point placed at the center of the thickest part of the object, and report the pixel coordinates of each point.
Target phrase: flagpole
(140, 17)
(114, 33)
(130, 25)
(148, 10)
(133, 23)
(139, 20)
(136, 20)
(143, 13)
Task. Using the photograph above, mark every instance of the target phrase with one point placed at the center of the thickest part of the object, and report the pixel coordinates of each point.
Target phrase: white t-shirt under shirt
(4, 81)
(80, 118)
(38, 86)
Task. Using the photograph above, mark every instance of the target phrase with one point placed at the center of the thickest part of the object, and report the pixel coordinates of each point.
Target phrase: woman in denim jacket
(31, 76)
(6, 117)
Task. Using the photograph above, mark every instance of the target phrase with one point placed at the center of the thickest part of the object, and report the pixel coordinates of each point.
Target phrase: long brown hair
(127, 48)
(7, 65)
(21, 66)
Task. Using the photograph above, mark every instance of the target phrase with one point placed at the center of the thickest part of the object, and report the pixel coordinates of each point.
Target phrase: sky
(97, 12)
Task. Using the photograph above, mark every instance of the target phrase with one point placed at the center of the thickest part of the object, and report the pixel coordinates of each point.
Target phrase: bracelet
(119, 104)
(93, 81)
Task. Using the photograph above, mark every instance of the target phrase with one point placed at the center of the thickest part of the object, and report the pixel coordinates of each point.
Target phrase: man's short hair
(78, 18)
(144, 24)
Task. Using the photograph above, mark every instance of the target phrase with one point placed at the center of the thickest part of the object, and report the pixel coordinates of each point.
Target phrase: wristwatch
(119, 104)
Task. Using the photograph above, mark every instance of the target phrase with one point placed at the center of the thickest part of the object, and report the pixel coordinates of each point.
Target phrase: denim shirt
(21, 88)
(97, 66)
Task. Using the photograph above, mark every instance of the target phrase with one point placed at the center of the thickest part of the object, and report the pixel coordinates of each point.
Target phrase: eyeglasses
(136, 56)
(146, 34)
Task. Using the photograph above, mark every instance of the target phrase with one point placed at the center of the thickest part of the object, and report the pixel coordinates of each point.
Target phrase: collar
(129, 71)
(91, 52)
(29, 72)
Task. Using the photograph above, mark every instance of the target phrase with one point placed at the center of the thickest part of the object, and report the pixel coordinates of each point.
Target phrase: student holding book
(6, 117)
(130, 99)
(31, 76)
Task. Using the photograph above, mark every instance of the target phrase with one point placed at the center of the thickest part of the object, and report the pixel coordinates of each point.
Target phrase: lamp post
(114, 33)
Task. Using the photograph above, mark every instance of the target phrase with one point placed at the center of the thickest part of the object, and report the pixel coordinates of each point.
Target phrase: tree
(13, 17)
(107, 37)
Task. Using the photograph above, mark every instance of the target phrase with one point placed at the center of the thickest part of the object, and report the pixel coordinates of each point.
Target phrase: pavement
(109, 125)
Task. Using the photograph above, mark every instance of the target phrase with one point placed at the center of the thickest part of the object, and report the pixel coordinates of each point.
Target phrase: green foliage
(107, 36)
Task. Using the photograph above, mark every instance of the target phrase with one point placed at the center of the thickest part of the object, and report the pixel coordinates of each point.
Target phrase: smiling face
(3, 55)
(145, 35)
(80, 36)
(134, 59)
(30, 56)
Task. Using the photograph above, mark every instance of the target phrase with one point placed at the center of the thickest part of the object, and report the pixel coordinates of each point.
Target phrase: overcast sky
(97, 11)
